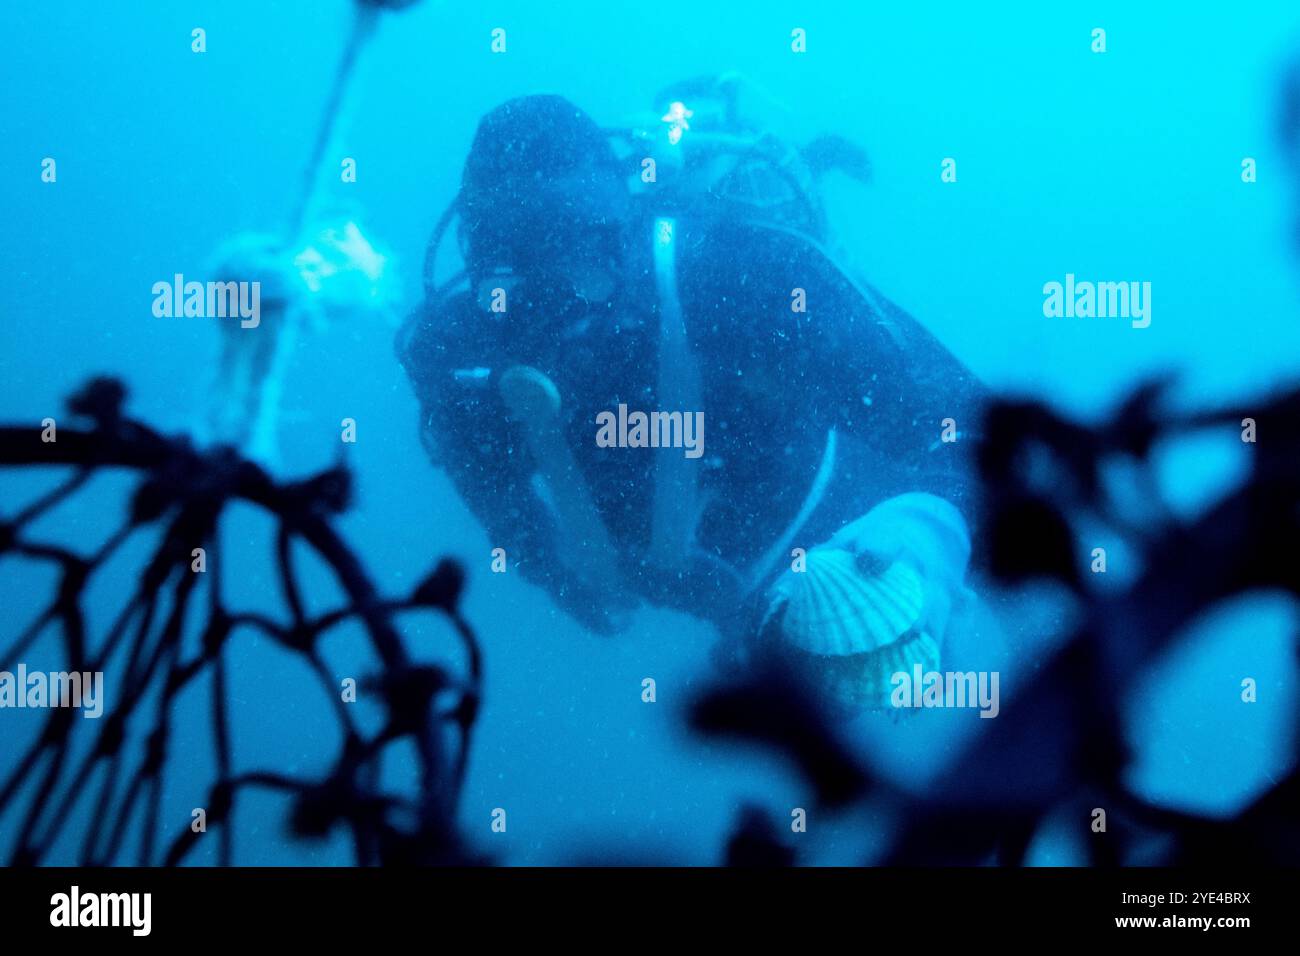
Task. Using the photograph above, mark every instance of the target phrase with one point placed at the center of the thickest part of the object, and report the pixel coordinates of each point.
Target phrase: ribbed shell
(835, 609)
(867, 680)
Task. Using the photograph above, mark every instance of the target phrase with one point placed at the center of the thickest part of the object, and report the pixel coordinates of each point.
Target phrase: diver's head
(543, 201)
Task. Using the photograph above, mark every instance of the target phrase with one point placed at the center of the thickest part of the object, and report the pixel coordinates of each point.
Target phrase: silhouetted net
(183, 493)
(1057, 747)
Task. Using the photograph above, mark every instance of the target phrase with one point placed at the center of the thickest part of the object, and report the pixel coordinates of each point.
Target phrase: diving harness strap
(676, 480)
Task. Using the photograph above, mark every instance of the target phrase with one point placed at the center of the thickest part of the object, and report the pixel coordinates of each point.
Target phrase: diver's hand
(598, 612)
(930, 530)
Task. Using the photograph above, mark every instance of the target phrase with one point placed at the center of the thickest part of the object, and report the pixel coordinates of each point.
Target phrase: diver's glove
(875, 599)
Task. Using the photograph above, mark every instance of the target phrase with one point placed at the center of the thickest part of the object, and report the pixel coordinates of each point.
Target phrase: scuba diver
(680, 268)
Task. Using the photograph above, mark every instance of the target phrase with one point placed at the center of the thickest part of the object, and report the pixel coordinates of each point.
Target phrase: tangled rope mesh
(1060, 747)
(185, 492)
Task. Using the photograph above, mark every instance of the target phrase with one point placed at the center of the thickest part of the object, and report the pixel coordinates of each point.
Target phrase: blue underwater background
(1117, 166)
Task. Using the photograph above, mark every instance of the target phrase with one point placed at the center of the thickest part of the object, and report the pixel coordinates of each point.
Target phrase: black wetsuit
(774, 382)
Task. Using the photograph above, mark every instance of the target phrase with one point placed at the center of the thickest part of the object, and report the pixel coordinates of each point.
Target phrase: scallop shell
(836, 609)
(867, 680)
